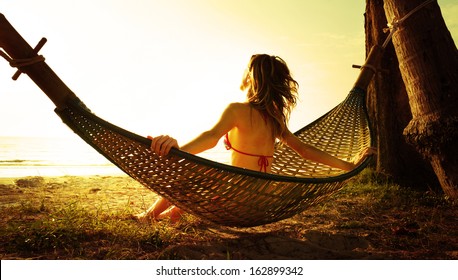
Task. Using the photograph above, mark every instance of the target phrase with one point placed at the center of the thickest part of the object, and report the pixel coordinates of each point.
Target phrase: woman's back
(251, 139)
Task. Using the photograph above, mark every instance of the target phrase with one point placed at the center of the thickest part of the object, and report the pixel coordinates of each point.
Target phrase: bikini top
(263, 161)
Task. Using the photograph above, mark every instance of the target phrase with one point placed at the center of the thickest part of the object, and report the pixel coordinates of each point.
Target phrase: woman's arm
(206, 140)
(309, 152)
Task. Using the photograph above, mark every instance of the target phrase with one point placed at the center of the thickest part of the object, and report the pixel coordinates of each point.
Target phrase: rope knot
(17, 63)
(393, 26)
(395, 23)
(22, 62)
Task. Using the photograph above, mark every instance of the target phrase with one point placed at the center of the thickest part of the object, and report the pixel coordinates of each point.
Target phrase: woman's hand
(161, 145)
(357, 160)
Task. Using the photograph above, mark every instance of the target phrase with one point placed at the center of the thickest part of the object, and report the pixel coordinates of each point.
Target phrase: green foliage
(389, 194)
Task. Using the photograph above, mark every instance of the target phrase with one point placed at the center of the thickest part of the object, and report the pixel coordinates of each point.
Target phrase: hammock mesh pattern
(229, 195)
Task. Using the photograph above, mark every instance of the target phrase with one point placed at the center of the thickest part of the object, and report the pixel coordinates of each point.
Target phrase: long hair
(271, 89)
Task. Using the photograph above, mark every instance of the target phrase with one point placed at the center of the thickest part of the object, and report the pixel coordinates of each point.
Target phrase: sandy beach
(89, 217)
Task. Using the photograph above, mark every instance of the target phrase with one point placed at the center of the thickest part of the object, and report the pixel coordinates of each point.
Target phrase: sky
(170, 67)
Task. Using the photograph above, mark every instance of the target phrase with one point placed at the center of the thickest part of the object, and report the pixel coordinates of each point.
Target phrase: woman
(250, 128)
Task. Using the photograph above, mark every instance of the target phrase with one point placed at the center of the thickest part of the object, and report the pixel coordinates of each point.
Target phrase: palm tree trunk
(428, 61)
(389, 110)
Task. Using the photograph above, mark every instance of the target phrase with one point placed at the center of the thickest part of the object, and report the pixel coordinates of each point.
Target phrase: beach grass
(91, 218)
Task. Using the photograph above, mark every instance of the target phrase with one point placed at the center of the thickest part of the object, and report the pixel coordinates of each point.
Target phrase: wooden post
(369, 69)
(17, 48)
(428, 61)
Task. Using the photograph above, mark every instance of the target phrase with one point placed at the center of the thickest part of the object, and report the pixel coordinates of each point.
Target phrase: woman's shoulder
(238, 106)
(237, 111)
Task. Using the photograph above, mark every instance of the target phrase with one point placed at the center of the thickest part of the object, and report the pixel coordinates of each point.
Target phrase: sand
(348, 226)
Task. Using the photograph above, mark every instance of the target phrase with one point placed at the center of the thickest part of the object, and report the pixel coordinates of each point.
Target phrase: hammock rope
(223, 194)
(395, 23)
(18, 63)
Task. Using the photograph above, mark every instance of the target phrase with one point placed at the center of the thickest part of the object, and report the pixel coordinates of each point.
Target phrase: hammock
(217, 192)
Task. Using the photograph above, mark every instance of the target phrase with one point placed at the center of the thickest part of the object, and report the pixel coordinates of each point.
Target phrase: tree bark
(390, 112)
(428, 61)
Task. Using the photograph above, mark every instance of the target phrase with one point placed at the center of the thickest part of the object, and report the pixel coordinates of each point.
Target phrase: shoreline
(58, 171)
(5, 180)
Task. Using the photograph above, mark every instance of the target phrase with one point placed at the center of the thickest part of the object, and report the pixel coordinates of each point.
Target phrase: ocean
(47, 156)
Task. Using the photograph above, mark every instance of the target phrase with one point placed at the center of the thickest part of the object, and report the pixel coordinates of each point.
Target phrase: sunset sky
(170, 67)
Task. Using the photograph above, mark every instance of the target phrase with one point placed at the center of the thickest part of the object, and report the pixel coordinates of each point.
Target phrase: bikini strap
(263, 161)
(227, 143)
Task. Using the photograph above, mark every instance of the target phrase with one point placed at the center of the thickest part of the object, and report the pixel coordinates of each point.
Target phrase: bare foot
(358, 159)
(142, 217)
(173, 214)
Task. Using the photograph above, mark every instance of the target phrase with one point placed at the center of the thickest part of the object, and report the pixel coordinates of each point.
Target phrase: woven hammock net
(228, 195)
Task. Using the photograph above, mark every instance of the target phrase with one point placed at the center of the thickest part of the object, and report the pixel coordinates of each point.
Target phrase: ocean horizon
(53, 156)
